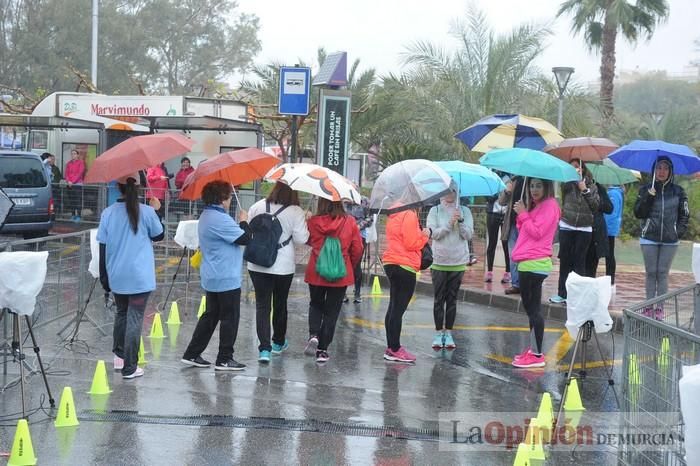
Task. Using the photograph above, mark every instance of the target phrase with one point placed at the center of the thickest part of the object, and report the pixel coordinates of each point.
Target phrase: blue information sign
(295, 83)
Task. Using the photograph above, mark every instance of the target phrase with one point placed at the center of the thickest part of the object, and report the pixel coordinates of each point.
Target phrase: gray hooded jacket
(450, 244)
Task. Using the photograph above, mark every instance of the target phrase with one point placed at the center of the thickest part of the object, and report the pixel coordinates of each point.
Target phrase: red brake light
(51, 206)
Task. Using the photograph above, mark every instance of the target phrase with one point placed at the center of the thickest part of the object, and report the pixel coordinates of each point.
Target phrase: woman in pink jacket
(74, 173)
(158, 185)
(537, 222)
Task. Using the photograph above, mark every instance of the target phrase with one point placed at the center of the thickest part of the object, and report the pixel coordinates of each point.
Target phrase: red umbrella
(585, 149)
(137, 153)
(235, 167)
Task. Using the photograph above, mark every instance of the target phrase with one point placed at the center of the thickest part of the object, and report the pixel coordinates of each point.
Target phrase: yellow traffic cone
(156, 327)
(100, 384)
(202, 306)
(545, 414)
(22, 448)
(142, 354)
(174, 315)
(664, 357)
(534, 441)
(573, 397)
(66, 416)
(522, 457)
(173, 331)
(376, 287)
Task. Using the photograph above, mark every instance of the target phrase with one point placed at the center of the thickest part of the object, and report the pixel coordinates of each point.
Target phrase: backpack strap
(279, 211)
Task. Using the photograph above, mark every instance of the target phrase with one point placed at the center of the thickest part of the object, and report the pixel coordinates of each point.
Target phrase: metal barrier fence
(658, 343)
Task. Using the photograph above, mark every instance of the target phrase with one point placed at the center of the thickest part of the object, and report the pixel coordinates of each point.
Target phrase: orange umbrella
(137, 153)
(235, 167)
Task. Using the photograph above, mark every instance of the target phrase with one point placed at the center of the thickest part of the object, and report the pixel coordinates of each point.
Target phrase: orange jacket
(404, 240)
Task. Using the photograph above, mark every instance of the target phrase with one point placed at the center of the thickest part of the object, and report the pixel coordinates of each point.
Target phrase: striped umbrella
(508, 131)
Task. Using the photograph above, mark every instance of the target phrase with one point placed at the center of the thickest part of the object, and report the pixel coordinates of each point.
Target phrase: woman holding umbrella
(127, 268)
(537, 220)
(662, 206)
(580, 201)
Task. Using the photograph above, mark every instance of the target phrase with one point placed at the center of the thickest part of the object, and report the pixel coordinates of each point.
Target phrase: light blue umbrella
(530, 163)
(472, 179)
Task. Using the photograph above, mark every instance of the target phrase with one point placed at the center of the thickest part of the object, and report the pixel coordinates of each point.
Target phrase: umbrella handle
(238, 202)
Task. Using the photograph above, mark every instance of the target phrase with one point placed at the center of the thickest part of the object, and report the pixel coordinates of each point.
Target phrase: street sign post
(295, 85)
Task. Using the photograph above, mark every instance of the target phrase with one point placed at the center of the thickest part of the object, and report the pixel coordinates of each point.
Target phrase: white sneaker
(137, 373)
(118, 363)
(613, 289)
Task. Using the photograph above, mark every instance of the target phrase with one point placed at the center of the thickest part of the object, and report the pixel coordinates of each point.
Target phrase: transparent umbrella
(409, 184)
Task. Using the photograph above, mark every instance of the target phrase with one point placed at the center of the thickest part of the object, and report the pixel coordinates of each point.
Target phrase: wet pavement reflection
(355, 409)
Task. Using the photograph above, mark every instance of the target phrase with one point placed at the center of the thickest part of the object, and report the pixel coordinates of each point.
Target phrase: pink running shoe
(488, 278)
(401, 355)
(659, 313)
(522, 355)
(648, 312)
(506, 278)
(528, 361)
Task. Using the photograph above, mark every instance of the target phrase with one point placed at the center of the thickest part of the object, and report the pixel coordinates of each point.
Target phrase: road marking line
(496, 328)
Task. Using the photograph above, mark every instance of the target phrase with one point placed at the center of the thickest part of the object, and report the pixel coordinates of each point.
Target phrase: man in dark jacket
(509, 230)
(599, 246)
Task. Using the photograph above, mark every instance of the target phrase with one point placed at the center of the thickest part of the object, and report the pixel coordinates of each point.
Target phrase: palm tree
(601, 21)
(487, 73)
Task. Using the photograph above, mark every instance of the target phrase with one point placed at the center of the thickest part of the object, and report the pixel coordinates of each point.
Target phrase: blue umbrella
(506, 131)
(472, 179)
(528, 162)
(641, 155)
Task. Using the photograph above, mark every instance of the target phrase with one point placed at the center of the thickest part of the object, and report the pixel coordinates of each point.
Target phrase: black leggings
(493, 226)
(531, 294)
(446, 287)
(610, 263)
(402, 283)
(573, 246)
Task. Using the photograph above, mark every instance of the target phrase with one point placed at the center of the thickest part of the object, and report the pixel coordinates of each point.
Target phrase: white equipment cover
(372, 230)
(588, 299)
(696, 262)
(22, 275)
(186, 234)
(689, 387)
(94, 265)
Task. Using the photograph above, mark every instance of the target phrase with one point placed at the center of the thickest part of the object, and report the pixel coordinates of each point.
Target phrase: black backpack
(265, 239)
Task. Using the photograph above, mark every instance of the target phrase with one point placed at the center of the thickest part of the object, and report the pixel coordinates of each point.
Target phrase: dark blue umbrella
(507, 131)
(642, 155)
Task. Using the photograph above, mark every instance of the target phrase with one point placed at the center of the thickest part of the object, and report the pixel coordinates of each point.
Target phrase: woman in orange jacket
(402, 258)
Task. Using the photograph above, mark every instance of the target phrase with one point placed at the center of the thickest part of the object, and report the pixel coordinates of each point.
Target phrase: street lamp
(562, 74)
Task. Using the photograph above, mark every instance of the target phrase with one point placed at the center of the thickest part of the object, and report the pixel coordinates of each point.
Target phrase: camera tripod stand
(17, 352)
(83, 315)
(585, 332)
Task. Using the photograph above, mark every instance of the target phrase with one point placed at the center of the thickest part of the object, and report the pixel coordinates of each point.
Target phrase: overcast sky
(377, 32)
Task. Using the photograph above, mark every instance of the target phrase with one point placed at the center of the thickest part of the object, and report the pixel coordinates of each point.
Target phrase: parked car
(24, 179)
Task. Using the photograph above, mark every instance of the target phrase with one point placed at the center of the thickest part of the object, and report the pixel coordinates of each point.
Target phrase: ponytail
(131, 200)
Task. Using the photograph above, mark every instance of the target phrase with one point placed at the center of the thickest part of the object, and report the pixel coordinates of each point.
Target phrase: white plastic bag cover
(22, 275)
(696, 262)
(186, 234)
(588, 299)
(94, 265)
(372, 230)
(689, 387)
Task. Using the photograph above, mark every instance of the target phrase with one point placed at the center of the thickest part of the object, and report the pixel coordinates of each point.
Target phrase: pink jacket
(156, 186)
(536, 230)
(75, 171)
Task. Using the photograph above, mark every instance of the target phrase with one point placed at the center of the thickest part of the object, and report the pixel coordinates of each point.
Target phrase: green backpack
(330, 264)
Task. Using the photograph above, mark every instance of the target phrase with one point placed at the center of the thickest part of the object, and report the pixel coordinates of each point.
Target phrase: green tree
(601, 21)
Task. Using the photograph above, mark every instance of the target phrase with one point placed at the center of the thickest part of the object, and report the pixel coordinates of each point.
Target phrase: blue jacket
(614, 219)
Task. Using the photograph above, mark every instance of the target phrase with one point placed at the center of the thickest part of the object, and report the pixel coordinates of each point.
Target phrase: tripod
(18, 354)
(83, 315)
(583, 336)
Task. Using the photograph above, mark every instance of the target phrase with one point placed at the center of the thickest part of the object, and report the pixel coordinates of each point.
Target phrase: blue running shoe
(277, 349)
(264, 356)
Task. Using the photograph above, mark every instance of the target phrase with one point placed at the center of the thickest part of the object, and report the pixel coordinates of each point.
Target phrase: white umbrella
(315, 179)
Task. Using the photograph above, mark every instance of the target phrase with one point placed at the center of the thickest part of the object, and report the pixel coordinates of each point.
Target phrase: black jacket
(578, 208)
(600, 229)
(665, 215)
